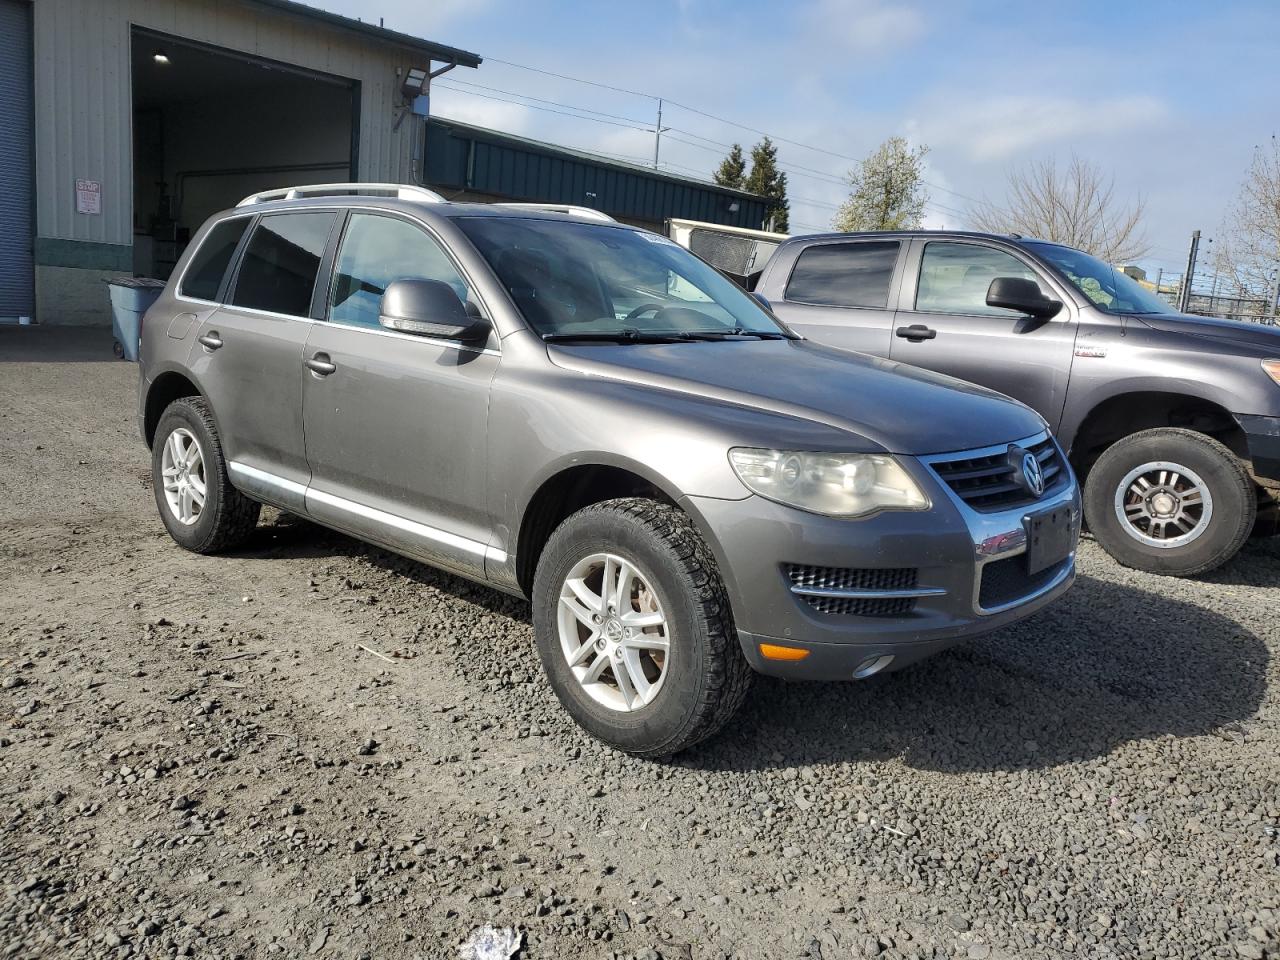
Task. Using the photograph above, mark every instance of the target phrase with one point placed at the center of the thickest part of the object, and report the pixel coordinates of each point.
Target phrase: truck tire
(1170, 501)
(200, 508)
(634, 629)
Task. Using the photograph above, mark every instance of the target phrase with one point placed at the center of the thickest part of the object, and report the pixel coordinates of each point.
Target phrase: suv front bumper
(942, 555)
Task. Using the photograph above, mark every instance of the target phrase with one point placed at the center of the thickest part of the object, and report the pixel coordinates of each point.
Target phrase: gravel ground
(197, 757)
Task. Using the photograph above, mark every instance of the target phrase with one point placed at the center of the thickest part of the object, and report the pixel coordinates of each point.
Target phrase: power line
(451, 84)
(534, 106)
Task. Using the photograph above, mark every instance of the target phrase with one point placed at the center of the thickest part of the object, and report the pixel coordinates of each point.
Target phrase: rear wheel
(634, 630)
(200, 508)
(1170, 501)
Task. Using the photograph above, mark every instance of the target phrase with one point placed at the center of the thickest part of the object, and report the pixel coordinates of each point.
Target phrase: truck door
(841, 292)
(943, 323)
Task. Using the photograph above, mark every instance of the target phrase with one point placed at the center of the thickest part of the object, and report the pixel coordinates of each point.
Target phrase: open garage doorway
(211, 126)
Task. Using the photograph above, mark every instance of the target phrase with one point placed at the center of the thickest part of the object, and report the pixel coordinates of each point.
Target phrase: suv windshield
(595, 281)
(1108, 288)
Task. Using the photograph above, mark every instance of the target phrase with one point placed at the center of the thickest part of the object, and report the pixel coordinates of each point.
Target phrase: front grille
(1007, 581)
(849, 578)
(992, 482)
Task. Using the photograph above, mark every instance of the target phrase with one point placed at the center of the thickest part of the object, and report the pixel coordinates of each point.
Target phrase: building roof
(435, 51)
(595, 159)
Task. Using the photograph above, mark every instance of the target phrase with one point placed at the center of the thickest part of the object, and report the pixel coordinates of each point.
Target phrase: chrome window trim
(403, 524)
(471, 286)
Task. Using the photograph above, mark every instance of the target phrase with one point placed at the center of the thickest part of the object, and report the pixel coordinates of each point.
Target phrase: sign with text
(89, 197)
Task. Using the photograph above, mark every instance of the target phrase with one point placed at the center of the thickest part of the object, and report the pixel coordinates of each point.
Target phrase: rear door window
(203, 278)
(279, 266)
(844, 274)
(954, 278)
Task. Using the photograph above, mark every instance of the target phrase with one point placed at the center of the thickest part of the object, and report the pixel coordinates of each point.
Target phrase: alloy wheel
(183, 476)
(613, 632)
(1163, 504)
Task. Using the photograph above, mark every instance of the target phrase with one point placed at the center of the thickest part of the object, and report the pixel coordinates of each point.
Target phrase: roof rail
(401, 191)
(587, 213)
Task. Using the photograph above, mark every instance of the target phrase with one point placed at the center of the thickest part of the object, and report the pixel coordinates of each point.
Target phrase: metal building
(124, 123)
(472, 163)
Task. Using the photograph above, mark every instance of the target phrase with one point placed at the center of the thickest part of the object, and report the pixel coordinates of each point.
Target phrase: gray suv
(1173, 421)
(584, 414)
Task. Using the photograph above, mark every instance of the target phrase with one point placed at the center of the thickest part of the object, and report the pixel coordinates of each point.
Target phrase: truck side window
(954, 278)
(376, 251)
(844, 274)
(279, 266)
(203, 277)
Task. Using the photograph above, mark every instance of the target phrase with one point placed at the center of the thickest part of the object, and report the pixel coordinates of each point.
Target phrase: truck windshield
(1109, 289)
(599, 282)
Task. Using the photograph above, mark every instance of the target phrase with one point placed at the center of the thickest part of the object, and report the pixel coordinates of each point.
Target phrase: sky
(1168, 98)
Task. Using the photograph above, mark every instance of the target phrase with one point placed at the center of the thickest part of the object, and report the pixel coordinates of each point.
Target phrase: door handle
(210, 341)
(917, 333)
(320, 365)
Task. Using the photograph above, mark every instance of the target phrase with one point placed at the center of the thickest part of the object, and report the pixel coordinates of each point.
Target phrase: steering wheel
(645, 308)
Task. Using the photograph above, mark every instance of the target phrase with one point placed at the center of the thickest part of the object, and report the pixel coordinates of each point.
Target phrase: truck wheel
(634, 629)
(1170, 501)
(199, 507)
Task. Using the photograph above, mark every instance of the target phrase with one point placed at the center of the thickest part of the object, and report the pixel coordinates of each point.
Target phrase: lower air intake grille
(1007, 581)
(848, 578)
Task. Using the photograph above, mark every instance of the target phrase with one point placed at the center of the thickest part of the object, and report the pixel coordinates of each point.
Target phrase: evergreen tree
(733, 169)
(767, 180)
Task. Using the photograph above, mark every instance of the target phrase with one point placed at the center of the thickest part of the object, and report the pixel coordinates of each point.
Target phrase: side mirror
(429, 308)
(1023, 295)
(761, 299)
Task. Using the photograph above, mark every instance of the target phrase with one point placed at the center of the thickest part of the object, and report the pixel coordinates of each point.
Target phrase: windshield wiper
(735, 332)
(625, 335)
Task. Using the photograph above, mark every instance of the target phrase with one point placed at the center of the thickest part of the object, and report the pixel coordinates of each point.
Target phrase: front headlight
(836, 484)
(1272, 367)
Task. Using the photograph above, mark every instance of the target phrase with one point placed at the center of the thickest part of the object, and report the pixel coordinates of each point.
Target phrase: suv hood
(900, 408)
(1266, 339)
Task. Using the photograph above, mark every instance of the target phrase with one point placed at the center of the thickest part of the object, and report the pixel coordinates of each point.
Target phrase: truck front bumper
(1263, 437)
(850, 598)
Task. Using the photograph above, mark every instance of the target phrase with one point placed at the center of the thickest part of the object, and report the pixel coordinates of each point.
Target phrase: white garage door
(16, 279)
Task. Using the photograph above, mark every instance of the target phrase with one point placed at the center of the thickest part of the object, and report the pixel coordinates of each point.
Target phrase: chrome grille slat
(880, 591)
(986, 480)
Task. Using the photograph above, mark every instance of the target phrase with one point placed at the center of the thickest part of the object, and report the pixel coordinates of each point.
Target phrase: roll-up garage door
(16, 278)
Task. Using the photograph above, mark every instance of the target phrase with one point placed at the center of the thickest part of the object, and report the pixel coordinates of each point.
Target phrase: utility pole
(657, 136)
(1184, 295)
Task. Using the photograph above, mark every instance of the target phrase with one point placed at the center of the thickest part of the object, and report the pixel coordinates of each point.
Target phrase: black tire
(707, 677)
(1233, 492)
(228, 516)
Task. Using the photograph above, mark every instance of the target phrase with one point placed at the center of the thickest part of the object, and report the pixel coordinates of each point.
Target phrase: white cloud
(1000, 127)
(863, 26)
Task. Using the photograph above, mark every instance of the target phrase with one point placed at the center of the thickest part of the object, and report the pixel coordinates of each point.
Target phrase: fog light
(871, 666)
(774, 651)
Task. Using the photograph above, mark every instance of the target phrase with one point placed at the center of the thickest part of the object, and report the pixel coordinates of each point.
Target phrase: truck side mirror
(1023, 295)
(429, 308)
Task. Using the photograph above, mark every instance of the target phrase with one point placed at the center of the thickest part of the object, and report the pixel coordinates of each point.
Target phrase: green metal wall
(483, 161)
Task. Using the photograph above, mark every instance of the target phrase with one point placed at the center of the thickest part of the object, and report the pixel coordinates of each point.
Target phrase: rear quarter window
(204, 274)
(844, 274)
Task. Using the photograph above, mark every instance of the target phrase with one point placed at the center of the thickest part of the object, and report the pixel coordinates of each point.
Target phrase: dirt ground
(200, 757)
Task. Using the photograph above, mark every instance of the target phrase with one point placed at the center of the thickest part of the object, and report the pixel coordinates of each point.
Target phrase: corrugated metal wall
(466, 157)
(82, 83)
(16, 299)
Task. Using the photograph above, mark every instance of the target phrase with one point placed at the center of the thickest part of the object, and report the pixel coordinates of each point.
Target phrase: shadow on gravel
(1256, 565)
(1106, 665)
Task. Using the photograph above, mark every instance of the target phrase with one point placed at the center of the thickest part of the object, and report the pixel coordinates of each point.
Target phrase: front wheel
(634, 630)
(1170, 501)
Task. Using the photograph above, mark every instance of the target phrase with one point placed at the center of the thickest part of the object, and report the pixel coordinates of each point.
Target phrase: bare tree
(1075, 206)
(1248, 251)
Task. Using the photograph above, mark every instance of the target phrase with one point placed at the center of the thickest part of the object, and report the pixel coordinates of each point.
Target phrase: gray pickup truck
(1172, 421)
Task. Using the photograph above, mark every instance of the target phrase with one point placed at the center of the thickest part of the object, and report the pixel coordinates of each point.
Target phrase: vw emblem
(1032, 474)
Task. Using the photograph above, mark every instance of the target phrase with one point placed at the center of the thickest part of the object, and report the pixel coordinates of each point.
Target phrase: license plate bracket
(1050, 537)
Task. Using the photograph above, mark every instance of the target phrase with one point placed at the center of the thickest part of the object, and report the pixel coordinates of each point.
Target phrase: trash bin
(130, 298)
